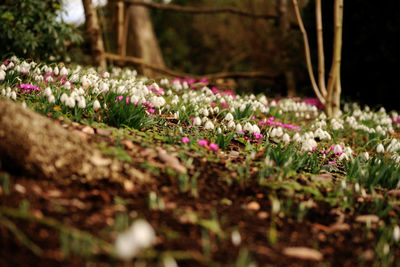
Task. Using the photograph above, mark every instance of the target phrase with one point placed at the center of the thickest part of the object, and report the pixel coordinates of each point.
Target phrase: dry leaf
(303, 253)
(171, 161)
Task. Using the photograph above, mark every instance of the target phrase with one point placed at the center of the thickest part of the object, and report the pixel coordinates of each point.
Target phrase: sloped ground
(195, 226)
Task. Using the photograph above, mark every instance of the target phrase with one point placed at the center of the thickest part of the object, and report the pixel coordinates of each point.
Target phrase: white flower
(231, 125)
(67, 85)
(82, 103)
(52, 99)
(239, 127)
(236, 238)
(13, 95)
(276, 132)
(396, 233)
(286, 138)
(229, 117)
(296, 137)
(63, 98)
(197, 121)
(268, 162)
(255, 129)
(63, 71)
(56, 71)
(380, 148)
(337, 149)
(139, 236)
(366, 155)
(70, 102)
(209, 125)
(2, 75)
(248, 127)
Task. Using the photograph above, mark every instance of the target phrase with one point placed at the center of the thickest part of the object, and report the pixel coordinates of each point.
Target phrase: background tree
(30, 28)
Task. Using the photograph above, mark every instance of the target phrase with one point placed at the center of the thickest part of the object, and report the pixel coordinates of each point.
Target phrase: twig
(201, 10)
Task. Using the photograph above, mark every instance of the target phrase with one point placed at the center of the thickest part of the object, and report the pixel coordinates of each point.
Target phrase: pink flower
(331, 162)
(202, 142)
(185, 140)
(213, 146)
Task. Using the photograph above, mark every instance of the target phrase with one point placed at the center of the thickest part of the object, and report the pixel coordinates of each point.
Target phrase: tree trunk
(142, 42)
(94, 33)
(35, 145)
(284, 25)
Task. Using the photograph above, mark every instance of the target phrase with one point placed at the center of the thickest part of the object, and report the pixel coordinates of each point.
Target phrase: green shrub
(30, 28)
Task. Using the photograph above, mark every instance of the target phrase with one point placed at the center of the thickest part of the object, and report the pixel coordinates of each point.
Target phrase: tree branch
(307, 51)
(201, 10)
(219, 75)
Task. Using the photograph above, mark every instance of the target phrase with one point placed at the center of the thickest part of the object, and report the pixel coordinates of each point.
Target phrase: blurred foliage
(204, 43)
(370, 50)
(31, 28)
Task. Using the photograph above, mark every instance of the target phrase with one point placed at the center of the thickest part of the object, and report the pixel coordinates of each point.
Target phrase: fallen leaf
(20, 189)
(323, 178)
(338, 227)
(88, 130)
(128, 144)
(369, 218)
(171, 161)
(103, 132)
(394, 193)
(98, 160)
(303, 253)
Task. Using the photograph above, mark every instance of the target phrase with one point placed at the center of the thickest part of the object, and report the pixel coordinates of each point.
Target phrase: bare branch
(321, 58)
(135, 60)
(307, 51)
(201, 10)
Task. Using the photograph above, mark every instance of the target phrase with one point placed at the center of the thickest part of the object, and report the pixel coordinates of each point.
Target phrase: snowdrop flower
(63, 71)
(13, 95)
(268, 162)
(2, 75)
(85, 81)
(209, 125)
(197, 121)
(229, 117)
(219, 131)
(82, 103)
(380, 148)
(248, 127)
(337, 149)
(236, 238)
(255, 129)
(276, 132)
(139, 236)
(67, 85)
(296, 137)
(231, 125)
(308, 144)
(366, 155)
(56, 71)
(396, 233)
(70, 102)
(239, 127)
(63, 98)
(49, 79)
(286, 138)
(47, 92)
(158, 101)
(52, 99)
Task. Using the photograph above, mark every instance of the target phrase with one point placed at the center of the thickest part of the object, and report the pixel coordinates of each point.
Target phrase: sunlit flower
(380, 148)
(139, 236)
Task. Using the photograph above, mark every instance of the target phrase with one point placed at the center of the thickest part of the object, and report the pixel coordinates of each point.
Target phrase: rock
(303, 253)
